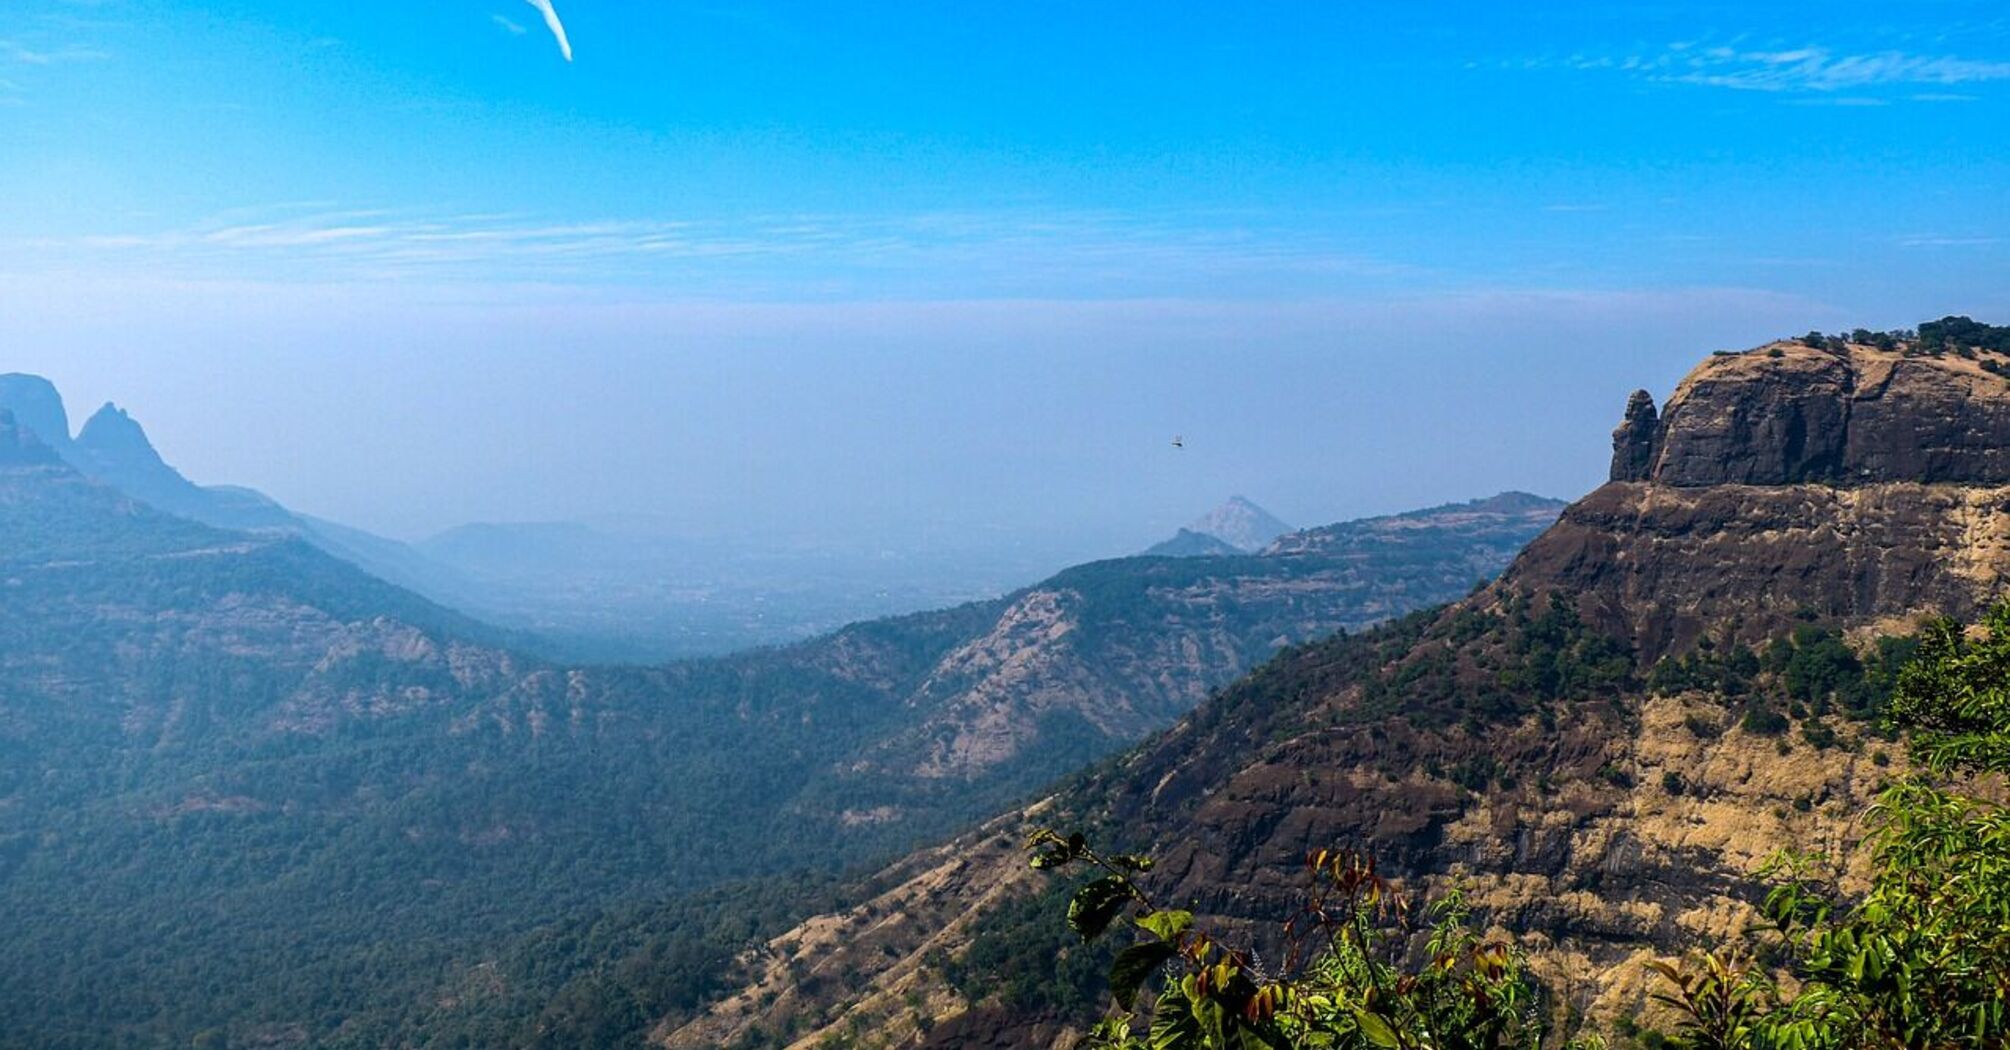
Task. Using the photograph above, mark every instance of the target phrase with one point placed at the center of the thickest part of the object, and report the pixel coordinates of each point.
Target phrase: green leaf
(1260, 1037)
(1097, 903)
(1175, 1027)
(1375, 1029)
(1167, 924)
(1134, 965)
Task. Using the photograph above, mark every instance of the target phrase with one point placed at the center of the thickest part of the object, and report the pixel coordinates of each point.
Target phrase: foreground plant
(1921, 961)
(1342, 983)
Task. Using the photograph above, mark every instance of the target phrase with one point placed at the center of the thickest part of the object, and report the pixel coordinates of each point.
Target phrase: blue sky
(839, 265)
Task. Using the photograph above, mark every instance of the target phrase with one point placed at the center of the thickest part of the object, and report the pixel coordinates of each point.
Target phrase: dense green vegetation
(1962, 336)
(1958, 333)
(1808, 674)
(251, 795)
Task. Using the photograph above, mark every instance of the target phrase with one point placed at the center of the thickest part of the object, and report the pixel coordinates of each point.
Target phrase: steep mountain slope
(234, 763)
(37, 408)
(1599, 802)
(1096, 648)
(112, 448)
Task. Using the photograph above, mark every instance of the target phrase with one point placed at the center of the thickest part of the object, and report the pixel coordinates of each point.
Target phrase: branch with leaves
(1923, 959)
(1343, 983)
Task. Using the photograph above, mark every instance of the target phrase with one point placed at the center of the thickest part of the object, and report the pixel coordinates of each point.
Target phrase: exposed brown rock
(1789, 414)
(1633, 442)
(1661, 564)
(1788, 482)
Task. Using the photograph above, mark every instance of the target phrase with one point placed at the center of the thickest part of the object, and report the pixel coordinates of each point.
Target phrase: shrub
(1923, 958)
(1347, 980)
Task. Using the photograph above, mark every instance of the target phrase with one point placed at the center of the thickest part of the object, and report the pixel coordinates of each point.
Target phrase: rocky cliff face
(1510, 740)
(1788, 482)
(1788, 414)
(37, 406)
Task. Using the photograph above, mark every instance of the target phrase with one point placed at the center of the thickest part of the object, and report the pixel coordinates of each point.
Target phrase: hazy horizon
(882, 275)
(1297, 433)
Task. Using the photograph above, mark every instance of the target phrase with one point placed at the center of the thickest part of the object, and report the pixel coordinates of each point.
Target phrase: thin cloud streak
(1933, 241)
(17, 52)
(1809, 69)
(788, 254)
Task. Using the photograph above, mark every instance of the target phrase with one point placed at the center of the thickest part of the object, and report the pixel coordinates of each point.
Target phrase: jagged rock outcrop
(113, 432)
(1633, 442)
(1788, 414)
(1790, 482)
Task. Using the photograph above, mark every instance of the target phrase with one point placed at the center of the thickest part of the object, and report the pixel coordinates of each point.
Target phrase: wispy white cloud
(17, 52)
(509, 25)
(1809, 69)
(1943, 241)
(1045, 252)
(1845, 101)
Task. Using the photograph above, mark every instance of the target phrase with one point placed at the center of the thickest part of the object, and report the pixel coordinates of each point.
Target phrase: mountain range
(617, 591)
(1602, 747)
(234, 759)
(253, 793)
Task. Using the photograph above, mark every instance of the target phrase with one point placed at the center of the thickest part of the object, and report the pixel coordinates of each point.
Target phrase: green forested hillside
(253, 796)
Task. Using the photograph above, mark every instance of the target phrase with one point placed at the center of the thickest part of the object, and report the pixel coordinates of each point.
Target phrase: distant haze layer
(947, 425)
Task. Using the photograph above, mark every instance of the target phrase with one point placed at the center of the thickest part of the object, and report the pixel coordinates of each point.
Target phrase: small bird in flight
(1178, 441)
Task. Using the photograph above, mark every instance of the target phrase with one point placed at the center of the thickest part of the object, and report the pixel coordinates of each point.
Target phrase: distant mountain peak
(1240, 523)
(112, 430)
(35, 404)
